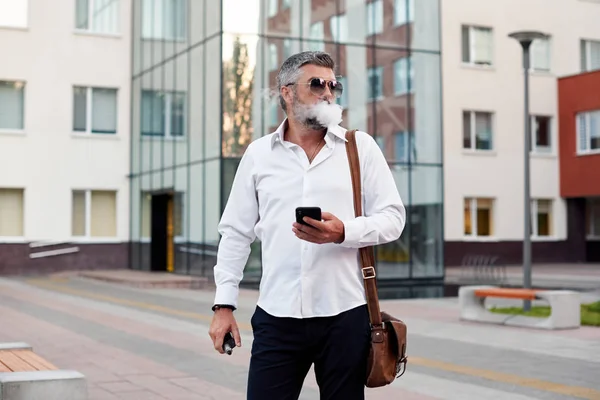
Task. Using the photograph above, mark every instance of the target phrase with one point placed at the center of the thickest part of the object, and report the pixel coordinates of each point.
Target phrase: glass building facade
(203, 87)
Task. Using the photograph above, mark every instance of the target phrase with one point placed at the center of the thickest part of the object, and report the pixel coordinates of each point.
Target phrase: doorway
(161, 236)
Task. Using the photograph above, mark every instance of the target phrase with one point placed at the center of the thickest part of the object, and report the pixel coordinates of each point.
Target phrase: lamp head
(526, 37)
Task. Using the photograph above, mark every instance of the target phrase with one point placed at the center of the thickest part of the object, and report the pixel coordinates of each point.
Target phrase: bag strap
(367, 257)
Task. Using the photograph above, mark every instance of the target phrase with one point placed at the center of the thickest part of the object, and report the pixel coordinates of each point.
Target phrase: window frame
(91, 30)
(23, 90)
(473, 135)
(89, 112)
(470, 29)
(590, 232)
(532, 55)
(88, 217)
(378, 71)
(168, 113)
(473, 208)
(587, 116)
(533, 209)
(535, 149)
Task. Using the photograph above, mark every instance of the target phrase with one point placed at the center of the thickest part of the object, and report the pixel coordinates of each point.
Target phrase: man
(312, 306)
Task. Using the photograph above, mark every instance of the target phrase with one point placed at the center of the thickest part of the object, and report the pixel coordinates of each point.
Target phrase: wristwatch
(217, 306)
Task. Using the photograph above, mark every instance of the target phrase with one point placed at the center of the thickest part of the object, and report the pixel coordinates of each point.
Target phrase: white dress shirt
(302, 279)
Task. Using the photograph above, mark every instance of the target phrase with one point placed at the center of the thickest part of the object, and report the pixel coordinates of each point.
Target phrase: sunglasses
(318, 85)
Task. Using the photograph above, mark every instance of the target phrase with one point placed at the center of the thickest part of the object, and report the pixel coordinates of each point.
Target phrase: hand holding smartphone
(311, 212)
(228, 343)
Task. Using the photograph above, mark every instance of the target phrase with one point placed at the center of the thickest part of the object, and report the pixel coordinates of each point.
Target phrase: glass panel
(104, 110)
(80, 109)
(483, 131)
(103, 220)
(243, 16)
(544, 220)
(239, 70)
(425, 105)
(467, 217)
(105, 16)
(484, 217)
(12, 105)
(78, 213)
(425, 30)
(201, 260)
(542, 134)
(181, 211)
(213, 105)
(357, 19)
(197, 98)
(397, 21)
(540, 55)
(425, 216)
(81, 14)
(467, 130)
(212, 210)
(393, 259)
(11, 212)
(164, 20)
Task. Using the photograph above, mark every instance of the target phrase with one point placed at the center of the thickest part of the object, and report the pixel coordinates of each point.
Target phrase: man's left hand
(330, 230)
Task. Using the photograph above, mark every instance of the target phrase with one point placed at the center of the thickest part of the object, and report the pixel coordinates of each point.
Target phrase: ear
(287, 94)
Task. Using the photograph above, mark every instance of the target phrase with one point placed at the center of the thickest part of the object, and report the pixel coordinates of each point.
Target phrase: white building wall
(499, 88)
(47, 159)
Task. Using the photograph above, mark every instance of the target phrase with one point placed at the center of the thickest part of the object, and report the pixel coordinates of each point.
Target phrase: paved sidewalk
(135, 343)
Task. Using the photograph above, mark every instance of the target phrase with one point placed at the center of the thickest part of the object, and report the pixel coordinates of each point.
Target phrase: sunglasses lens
(336, 88)
(317, 86)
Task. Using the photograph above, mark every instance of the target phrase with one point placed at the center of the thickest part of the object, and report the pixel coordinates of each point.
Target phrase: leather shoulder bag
(387, 355)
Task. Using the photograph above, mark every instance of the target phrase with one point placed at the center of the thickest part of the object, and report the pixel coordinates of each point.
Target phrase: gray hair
(290, 69)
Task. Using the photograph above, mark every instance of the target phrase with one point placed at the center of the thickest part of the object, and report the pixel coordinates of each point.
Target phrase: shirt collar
(332, 131)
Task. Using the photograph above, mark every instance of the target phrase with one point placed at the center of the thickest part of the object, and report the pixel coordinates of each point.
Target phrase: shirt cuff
(226, 294)
(352, 230)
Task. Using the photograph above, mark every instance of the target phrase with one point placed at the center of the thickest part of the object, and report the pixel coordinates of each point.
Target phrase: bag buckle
(368, 270)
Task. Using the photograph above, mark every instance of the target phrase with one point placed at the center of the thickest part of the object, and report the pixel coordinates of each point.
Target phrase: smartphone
(311, 212)
(228, 343)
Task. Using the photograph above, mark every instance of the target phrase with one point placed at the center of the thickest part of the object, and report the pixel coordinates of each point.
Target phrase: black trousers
(285, 348)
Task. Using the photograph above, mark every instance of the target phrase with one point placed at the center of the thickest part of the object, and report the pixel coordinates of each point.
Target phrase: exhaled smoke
(318, 116)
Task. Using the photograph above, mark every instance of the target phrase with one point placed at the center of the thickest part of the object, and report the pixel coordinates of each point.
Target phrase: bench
(24, 375)
(565, 307)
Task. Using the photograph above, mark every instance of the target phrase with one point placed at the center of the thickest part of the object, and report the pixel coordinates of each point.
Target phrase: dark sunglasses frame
(318, 85)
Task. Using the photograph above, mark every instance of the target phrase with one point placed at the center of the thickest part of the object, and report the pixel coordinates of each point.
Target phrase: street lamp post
(525, 38)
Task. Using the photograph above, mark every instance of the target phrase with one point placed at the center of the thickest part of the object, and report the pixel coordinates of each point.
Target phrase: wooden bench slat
(14, 363)
(523, 294)
(34, 360)
(3, 368)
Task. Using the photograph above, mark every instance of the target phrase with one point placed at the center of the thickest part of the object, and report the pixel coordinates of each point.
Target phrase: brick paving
(158, 347)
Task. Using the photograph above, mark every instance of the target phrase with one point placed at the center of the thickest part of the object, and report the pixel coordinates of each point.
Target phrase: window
(375, 83)
(590, 55)
(274, 112)
(163, 113)
(477, 130)
(478, 217)
(588, 132)
(541, 138)
(272, 8)
(403, 76)
(404, 11)
(164, 19)
(94, 110)
(287, 49)
(285, 4)
(12, 105)
(343, 99)
(317, 36)
(94, 213)
(541, 217)
(13, 13)
(146, 217)
(99, 16)
(403, 141)
(339, 28)
(540, 55)
(273, 57)
(374, 17)
(477, 45)
(593, 218)
(11, 213)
